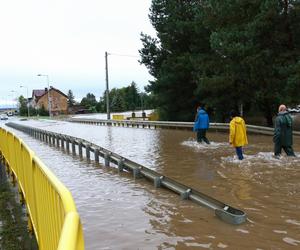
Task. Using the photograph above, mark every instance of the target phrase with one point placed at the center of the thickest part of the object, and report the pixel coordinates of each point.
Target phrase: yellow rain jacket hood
(238, 136)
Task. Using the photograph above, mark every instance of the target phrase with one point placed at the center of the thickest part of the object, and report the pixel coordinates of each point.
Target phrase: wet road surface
(119, 212)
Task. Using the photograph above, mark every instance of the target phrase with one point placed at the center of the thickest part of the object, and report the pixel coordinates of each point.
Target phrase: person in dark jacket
(283, 132)
(201, 124)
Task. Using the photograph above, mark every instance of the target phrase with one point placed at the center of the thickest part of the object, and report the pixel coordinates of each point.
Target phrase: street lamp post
(107, 88)
(48, 94)
(22, 86)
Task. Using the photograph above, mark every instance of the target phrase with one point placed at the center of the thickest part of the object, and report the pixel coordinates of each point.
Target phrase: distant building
(57, 99)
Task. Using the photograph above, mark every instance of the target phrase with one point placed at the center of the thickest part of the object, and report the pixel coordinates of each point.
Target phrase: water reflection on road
(120, 213)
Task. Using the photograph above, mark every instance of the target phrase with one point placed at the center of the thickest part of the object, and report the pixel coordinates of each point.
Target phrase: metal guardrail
(52, 214)
(173, 125)
(223, 211)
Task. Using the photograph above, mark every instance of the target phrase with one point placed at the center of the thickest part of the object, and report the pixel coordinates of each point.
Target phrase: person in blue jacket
(201, 124)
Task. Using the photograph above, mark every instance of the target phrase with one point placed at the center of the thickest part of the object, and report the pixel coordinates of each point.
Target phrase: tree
(169, 59)
(131, 97)
(223, 53)
(89, 101)
(117, 100)
(23, 106)
(71, 98)
(258, 44)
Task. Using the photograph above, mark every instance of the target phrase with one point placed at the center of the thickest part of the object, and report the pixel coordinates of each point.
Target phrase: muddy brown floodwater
(119, 212)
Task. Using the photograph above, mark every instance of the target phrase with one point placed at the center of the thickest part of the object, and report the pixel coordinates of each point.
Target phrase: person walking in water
(201, 124)
(283, 132)
(238, 134)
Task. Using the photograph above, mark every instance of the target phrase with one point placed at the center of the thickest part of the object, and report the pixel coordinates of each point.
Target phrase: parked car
(3, 117)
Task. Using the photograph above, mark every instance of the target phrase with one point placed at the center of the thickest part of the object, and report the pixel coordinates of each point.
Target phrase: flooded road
(119, 212)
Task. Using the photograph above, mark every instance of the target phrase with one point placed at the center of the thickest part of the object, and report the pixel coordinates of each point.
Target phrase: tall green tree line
(121, 99)
(224, 53)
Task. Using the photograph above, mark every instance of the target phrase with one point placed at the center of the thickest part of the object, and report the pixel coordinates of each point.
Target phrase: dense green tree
(131, 97)
(125, 99)
(223, 53)
(256, 43)
(89, 101)
(168, 57)
(23, 106)
(117, 100)
(71, 98)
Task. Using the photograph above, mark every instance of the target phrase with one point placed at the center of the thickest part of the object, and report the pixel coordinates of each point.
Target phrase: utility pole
(107, 88)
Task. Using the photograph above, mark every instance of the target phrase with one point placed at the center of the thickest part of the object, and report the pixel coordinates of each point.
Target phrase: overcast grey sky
(67, 39)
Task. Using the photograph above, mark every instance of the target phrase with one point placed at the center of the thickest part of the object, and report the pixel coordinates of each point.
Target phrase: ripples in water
(263, 158)
(202, 145)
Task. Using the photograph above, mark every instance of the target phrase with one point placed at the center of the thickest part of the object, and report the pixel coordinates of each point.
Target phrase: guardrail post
(185, 195)
(80, 149)
(106, 159)
(73, 147)
(87, 152)
(53, 139)
(57, 141)
(120, 165)
(63, 142)
(96, 152)
(49, 138)
(157, 181)
(68, 144)
(136, 173)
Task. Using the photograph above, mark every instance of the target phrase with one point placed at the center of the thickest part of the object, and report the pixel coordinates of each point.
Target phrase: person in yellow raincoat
(238, 134)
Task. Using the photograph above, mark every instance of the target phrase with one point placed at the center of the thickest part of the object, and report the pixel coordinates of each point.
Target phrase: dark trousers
(239, 152)
(287, 149)
(201, 135)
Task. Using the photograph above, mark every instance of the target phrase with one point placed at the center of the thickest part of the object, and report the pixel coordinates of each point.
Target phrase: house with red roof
(52, 100)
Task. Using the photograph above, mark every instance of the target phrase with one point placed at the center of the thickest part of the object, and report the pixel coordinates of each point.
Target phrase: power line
(115, 54)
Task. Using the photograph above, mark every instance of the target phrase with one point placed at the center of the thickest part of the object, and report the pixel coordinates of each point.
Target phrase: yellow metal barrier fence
(52, 212)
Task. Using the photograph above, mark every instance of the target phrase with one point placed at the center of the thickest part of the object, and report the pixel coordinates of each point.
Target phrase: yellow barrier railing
(50, 206)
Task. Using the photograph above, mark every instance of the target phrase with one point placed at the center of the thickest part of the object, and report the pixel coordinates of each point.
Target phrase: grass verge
(13, 226)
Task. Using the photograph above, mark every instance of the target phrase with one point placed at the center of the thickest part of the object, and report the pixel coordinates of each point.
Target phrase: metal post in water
(87, 152)
(121, 165)
(63, 142)
(80, 149)
(136, 173)
(96, 152)
(68, 144)
(157, 181)
(57, 141)
(73, 147)
(106, 159)
(185, 195)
